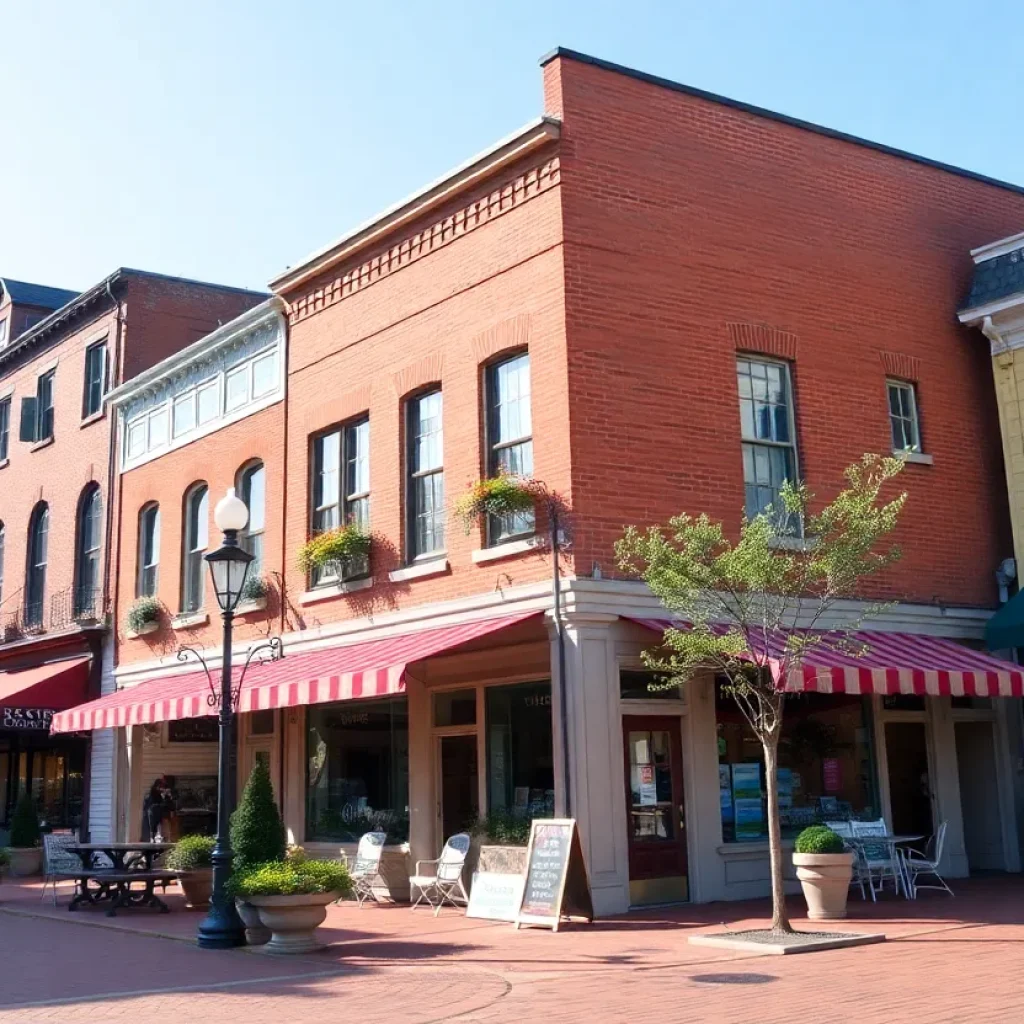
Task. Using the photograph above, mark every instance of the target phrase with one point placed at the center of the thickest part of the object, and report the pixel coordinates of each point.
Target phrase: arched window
(252, 485)
(35, 576)
(148, 559)
(3, 542)
(89, 537)
(195, 537)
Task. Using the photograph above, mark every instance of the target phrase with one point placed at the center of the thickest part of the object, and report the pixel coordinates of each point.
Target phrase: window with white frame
(149, 551)
(769, 442)
(253, 480)
(425, 476)
(903, 422)
(195, 538)
(509, 437)
(95, 384)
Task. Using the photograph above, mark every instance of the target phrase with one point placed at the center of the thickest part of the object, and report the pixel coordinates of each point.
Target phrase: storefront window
(457, 707)
(826, 765)
(637, 685)
(357, 757)
(520, 765)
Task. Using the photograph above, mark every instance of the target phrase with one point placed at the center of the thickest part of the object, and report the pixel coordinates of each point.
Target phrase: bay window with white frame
(768, 433)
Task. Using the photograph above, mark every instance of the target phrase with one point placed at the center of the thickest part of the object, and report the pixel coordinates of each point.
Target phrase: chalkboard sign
(556, 877)
(193, 730)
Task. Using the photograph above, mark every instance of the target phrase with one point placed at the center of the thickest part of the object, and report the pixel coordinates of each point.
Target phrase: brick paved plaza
(945, 961)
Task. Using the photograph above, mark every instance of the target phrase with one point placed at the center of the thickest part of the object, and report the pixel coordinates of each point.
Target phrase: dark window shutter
(27, 430)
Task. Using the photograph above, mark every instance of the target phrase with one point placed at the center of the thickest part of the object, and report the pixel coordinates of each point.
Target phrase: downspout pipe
(556, 585)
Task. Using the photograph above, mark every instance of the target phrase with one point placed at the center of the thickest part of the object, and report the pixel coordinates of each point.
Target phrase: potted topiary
(257, 836)
(825, 868)
(254, 594)
(24, 852)
(191, 858)
(144, 616)
(291, 897)
(342, 552)
(500, 495)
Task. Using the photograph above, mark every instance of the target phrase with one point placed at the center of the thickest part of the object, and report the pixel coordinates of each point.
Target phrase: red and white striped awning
(374, 668)
(908, 663)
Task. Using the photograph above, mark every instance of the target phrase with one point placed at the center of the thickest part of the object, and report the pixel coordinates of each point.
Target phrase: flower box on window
(498, 497)
(339, 554)
(144, 616)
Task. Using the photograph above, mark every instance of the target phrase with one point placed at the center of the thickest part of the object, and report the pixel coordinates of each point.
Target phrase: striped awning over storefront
(908, 663)
(374, 668)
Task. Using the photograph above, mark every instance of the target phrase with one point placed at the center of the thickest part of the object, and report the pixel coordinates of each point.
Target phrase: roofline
(998, 248)
(772, 115)
(6, 290)
(208, 343)
(58, 316)
(531, 136)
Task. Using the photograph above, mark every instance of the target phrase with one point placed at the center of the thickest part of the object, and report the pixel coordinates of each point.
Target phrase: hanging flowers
(500, 495)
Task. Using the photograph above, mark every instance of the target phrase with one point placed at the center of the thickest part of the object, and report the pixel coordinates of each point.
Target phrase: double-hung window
(769, 442)
(195, 537)
(425, 475)
(37, 413)
(95, 379)
(509, 437)
(5, 428)
(149, 551)
(254, 494)
(35, 584)
(87, 555)
(341, 487)
(903, 422)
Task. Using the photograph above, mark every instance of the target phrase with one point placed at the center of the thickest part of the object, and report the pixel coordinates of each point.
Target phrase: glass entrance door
(910, 787)
(460, 795)
(656, 820)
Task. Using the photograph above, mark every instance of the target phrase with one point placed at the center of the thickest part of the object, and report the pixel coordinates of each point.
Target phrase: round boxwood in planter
(291, 898)
(191, 859)
(824, 867)
(25, 854)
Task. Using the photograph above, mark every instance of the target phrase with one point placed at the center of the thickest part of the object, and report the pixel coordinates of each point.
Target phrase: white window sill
(418, 570)
(335, 590)
(255, 605)
(793, 543)
(190, 621)
(149, 627)
(508, 549)
(916, 457)
(750, 848)
(94, 417)
(38, 446)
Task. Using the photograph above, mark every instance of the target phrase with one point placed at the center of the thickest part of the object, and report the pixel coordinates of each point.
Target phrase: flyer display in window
(748, 809)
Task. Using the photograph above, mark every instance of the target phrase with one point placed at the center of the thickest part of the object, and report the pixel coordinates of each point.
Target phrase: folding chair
(927, 863)
(365, 869)
(876, 858)
(59, 865)
(844, 829)
(445, 884)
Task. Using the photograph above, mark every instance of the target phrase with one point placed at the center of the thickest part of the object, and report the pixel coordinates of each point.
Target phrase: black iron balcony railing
(71, 607)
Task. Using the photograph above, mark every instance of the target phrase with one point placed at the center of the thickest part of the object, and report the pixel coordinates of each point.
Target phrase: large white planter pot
(196, 886)
(293, 920)
(256, 934)
(825, 880)
(25, 860)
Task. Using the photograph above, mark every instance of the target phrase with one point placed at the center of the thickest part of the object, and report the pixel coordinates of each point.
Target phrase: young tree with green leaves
(753, 609)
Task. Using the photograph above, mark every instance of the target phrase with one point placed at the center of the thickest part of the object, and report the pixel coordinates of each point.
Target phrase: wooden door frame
(440, 735)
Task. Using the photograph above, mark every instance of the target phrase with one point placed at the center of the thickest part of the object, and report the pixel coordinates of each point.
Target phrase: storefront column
(424, 843)
(946, 797)
(1010, 765)
(134, 782)
(596, 794)
(293, 800)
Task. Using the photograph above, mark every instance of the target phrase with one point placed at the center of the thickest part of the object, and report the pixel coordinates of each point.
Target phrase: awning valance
(374, 668)
(55, 686)
(878, 662)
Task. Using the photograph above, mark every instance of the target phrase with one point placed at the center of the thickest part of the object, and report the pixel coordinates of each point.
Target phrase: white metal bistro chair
(917, 863)
(876, 860)
(444, 885)
(365, 869)
(59, 864)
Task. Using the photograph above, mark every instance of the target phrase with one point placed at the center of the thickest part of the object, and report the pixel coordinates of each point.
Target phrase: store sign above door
(26, 718)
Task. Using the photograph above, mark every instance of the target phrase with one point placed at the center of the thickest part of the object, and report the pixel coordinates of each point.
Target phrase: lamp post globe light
(229, 565)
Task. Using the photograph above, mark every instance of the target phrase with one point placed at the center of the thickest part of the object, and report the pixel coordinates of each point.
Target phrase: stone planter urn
(196, 886)
(25, 860)
(256, 934)
(293, 920)
(825, 880)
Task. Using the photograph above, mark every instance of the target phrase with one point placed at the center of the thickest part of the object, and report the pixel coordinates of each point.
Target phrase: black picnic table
(130, 865)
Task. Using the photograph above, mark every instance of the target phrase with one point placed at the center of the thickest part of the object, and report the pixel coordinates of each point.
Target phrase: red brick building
(58, 487)
(653, 300)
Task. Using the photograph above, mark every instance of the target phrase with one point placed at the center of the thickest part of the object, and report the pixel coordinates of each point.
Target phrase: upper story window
(769, 441)
(89, 536)
(37, 413)
(253, 487)
(903, 422)
(3, 332)
(95, 379)
(425, 475)
(509, 436)
(35, 576)
(149, 551)
(3, 544)
(195, 537)
(341, 482)
(5, 428)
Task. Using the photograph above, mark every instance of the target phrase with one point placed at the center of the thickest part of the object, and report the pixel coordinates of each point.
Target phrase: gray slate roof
(996, 279)
(23, 293)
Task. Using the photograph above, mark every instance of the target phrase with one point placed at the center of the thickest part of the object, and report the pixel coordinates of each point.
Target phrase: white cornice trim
(973, 317)
(998, 248)
(533, 135)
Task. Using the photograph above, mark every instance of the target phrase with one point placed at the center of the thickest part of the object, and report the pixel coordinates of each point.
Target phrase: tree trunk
(780, 919)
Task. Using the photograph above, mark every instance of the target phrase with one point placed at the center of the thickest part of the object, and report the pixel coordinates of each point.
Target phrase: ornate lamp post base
(222, 928)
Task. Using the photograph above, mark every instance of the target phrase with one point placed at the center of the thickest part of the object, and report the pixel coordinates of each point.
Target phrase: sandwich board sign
(557, 886)
(494, 896)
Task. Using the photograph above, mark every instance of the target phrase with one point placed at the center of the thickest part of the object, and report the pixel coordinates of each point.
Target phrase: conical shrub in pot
(25, 855)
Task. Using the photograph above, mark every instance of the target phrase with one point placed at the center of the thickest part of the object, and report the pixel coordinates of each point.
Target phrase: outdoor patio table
(892, 841)
(113, 885)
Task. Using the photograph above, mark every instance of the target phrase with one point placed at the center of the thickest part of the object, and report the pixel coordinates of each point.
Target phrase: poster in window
(785, 787)
(832, 774)
(748, 809)
(648, 788)
(725, 792)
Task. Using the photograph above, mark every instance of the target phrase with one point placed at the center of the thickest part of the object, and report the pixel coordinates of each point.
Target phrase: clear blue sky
(226, 139)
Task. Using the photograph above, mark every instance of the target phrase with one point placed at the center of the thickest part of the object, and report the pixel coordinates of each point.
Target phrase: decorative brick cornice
(424, 371)
(514, 193)
(334, 410)
(768, 341)
(509, 334)
(898, 364)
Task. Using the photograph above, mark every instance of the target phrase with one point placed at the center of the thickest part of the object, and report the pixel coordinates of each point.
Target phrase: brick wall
(693, 229)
